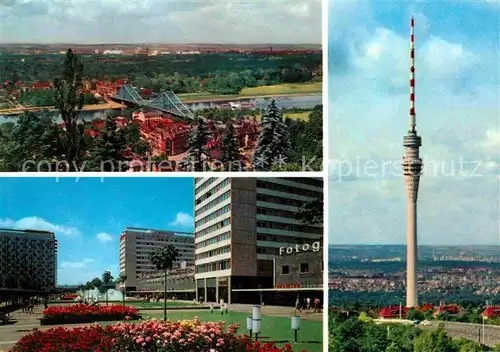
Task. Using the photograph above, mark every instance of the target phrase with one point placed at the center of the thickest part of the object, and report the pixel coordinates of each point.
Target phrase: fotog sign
(306, 247)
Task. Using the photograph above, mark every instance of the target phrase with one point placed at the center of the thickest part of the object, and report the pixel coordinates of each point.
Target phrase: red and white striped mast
(412, 75)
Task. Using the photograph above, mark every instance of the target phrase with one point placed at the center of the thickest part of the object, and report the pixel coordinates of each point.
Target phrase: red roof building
(449, 308)
(165, 136)
(41, 85)
(491, 312)
(393, 312)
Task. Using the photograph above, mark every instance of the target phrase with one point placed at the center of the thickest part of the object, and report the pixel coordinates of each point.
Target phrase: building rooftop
(3, 230)
(146, 230)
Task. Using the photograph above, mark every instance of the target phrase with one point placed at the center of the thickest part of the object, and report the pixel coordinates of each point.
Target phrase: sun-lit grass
(304, 115)
(277, 90)
(277, 329)
(284, 89)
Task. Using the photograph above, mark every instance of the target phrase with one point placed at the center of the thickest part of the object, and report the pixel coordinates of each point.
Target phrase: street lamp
(256, 317)
(249, 325)
(295, 326)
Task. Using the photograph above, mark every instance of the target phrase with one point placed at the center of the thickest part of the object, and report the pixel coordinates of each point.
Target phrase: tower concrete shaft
(412, 169)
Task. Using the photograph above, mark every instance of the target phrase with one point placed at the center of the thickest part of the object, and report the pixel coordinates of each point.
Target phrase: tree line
(213, 73)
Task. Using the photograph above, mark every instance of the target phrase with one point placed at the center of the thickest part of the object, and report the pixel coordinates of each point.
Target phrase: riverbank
(263, 92)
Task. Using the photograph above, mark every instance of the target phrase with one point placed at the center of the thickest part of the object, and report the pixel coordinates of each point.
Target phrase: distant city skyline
(457, 109)
(88, 216)
(150, 21)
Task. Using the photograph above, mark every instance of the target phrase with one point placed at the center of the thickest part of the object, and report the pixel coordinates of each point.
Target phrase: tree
(311, 213)
(97, 283)
(134, 140)
(197, 150)
(164, 258)
(122, 280)
(306, 138)
(32, 144)
(107, 279)
(414, 314)
(69, 99)
(433, 341)
(273, 145)
(229, 149)
(107, 151)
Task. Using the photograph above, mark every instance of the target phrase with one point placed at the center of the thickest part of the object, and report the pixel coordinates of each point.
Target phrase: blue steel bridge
(166, 102)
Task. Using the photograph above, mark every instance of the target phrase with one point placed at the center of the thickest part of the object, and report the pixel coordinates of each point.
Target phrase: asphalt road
(468, 331)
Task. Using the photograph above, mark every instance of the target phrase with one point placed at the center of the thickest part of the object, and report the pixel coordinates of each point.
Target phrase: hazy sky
(458, 118)
(160, 21)
(88, 216)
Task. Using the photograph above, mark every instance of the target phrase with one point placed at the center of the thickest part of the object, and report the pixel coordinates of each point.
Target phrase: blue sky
(153, 21)
(458, 118)
(88, 215)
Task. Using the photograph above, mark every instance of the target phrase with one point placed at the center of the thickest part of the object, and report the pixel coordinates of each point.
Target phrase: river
(286, 102)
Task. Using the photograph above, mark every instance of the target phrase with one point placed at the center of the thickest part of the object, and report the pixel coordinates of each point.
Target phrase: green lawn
(148, 305)
(304, 115)
(275, 329)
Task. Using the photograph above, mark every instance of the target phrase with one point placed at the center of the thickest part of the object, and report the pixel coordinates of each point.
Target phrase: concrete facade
(28, 260)
(300, 270)
(137, 244)
(177, 281)
(240, 224)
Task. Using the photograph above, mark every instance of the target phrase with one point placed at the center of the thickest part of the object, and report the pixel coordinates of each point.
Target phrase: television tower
(412, 167)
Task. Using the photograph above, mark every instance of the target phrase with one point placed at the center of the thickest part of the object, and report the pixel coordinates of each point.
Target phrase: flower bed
(146, 336)
(84, 313)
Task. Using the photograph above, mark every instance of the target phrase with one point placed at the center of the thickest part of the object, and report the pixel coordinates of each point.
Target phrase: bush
(146, 336)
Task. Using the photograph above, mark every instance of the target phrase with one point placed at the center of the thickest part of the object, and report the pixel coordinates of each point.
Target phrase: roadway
(91, 107)
(470, 331)
(458, 330)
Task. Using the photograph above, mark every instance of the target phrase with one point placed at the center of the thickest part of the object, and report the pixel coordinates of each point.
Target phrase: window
(304, 267)
(285, 270)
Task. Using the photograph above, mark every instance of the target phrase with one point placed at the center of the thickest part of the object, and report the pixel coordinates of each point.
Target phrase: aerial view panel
(160, 86)
(414, 246)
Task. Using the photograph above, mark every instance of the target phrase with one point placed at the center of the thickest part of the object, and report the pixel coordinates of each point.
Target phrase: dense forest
(213, 73)
(361, 334)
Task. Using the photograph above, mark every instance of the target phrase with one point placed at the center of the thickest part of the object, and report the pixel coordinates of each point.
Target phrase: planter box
(79, 320)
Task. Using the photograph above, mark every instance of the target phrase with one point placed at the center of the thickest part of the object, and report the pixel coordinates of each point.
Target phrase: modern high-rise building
(137, 244)
(28, 260)
(240, 226)
(412, 168)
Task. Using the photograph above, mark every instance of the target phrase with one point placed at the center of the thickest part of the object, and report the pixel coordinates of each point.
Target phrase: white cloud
(232, 21)
(182, 220)
(104, 237)
(36, 223)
